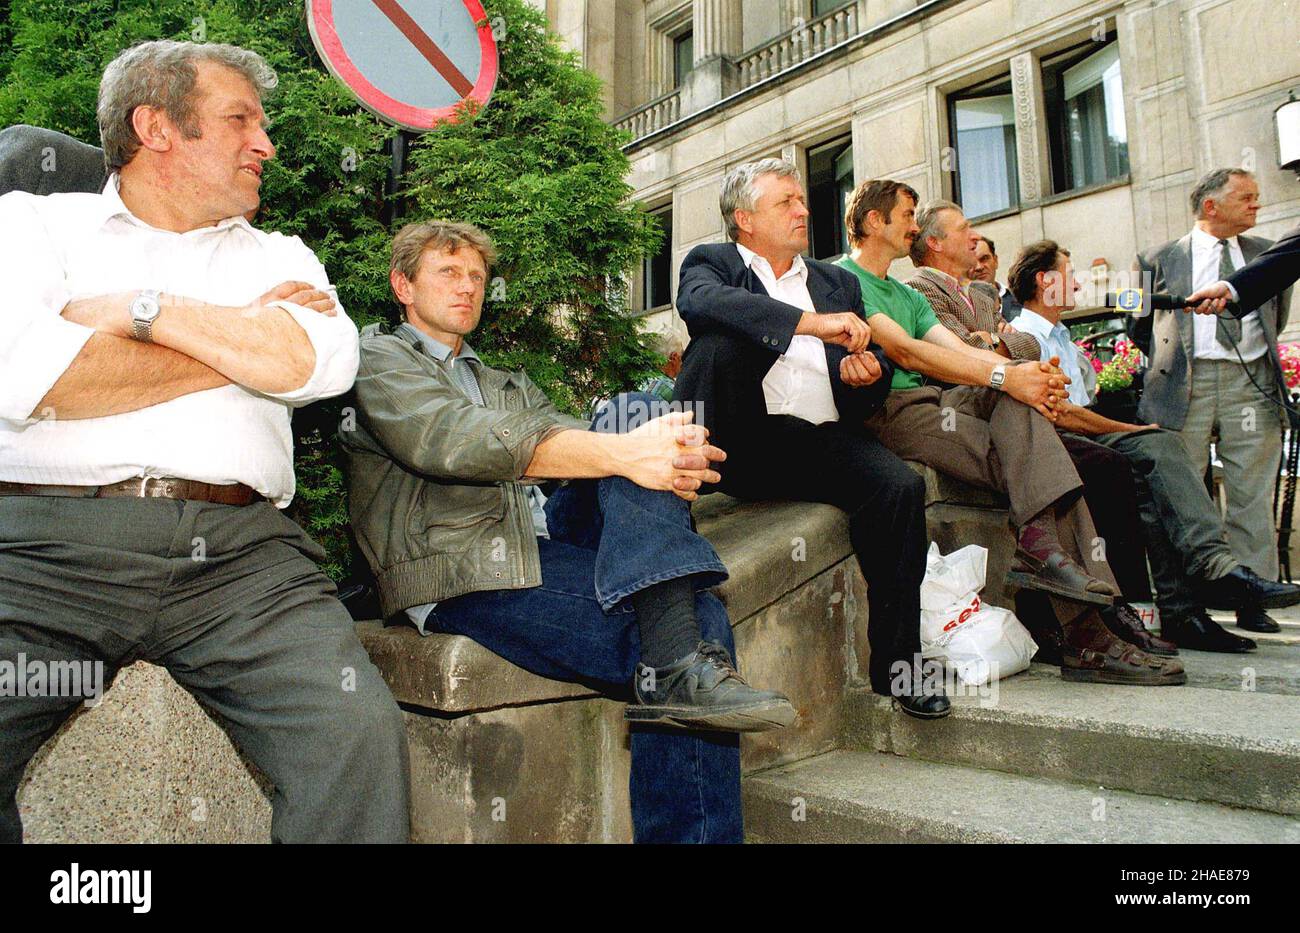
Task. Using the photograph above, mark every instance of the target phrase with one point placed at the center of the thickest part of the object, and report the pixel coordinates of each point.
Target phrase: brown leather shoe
(1059, 576)
(1125, 624)
(1091, 654)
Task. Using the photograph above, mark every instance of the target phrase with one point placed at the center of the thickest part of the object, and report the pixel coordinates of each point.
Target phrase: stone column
(1031, 128)
(716, 28)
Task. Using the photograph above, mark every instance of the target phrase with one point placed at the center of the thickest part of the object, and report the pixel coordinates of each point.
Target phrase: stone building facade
(1086, 122)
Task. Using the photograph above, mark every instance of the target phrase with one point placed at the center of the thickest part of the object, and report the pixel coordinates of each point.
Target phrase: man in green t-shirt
(986, 431)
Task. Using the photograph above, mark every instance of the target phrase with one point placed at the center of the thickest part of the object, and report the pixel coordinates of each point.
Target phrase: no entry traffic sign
(411, 62)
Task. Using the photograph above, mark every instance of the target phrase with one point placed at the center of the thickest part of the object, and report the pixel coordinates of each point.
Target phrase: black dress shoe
(926, 706)
(1125, 624)
(703, 691)
(1256, 620)
(1199, 632)
(1242, 588)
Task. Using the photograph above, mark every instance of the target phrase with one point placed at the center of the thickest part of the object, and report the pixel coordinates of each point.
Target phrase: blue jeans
(609, 539)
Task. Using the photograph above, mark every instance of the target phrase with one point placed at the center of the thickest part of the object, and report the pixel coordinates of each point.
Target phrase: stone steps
(863, 796)
(1194, 743)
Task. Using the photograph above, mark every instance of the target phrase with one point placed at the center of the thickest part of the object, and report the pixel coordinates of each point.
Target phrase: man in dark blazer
(986, 274)
(1209, 375)
(41, 161)
(781, 370)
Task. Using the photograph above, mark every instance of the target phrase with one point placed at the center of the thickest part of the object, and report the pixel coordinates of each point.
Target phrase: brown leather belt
(146, 487)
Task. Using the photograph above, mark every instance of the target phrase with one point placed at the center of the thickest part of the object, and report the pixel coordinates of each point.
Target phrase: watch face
(145, 308)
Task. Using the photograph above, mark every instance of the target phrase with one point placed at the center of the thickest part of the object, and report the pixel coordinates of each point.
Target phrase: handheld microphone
(1139, 301)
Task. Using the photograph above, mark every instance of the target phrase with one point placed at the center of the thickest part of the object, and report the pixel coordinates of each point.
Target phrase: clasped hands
(860, 367)
(670, 453)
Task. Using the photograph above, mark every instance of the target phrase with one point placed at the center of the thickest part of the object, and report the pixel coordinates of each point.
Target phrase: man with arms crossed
(991, 439)
(151, 351)
(606, 581)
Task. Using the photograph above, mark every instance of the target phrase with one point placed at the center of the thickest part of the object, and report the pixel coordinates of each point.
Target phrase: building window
(1087, 136)
(657, 270)
(830, 182)
(683, 57)
(822, 7)
(982, 127)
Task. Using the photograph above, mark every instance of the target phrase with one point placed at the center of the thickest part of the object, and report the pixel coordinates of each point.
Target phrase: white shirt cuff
(337, 347)
(1232, 291)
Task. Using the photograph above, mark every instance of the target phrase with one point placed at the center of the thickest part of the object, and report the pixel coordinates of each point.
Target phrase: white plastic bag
(980, 642)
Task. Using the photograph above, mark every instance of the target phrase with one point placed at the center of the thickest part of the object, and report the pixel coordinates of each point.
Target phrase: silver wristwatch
(998, 377)
(144, 311)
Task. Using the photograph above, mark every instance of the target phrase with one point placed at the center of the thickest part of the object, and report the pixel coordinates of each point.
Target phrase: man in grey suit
(1208, 374)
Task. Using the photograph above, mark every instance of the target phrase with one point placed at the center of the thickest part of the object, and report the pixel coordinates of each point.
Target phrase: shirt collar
(111, 206)
(950, 279)
(1036, 321)
(1208, 240)
(749, 258)
(436, 348)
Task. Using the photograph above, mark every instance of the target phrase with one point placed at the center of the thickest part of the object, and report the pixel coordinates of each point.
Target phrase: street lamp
(1287, 118)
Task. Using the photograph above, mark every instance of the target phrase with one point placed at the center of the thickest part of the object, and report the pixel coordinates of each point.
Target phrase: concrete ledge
(145, 765)
(162, 770)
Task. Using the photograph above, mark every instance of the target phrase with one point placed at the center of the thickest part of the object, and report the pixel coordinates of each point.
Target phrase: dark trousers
(1185, 532)
(611, 538)
(782, 457)
(232, 602)
(1112, 497)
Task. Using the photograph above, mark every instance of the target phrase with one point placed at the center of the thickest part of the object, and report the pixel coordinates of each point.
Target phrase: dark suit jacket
(42, 161)
(1270, 273)
(718, 292)
(1167, 337)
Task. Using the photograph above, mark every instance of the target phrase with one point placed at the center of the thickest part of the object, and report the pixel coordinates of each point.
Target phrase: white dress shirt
(798, 383)
(1205, 271)
(60, 247)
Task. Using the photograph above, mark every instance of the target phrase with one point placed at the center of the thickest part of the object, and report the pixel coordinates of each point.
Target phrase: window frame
(988, 87)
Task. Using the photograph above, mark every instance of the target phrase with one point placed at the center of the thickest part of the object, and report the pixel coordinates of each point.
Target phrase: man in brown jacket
(1191, 562)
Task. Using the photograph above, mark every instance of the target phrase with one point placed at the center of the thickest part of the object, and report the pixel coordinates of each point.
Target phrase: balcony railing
(652, 117)
(802, 42)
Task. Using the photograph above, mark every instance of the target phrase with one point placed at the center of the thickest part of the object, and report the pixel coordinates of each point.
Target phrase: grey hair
(927, 218)
(666, 342)
(162, 74)
(1212, 186)
(738, 192)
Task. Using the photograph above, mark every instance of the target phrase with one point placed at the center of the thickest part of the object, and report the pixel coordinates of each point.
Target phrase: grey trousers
(1183, 527)
(1250, 446)
(231, 601)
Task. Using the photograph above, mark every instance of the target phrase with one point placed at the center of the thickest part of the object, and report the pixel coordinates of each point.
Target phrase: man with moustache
(984, 431)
